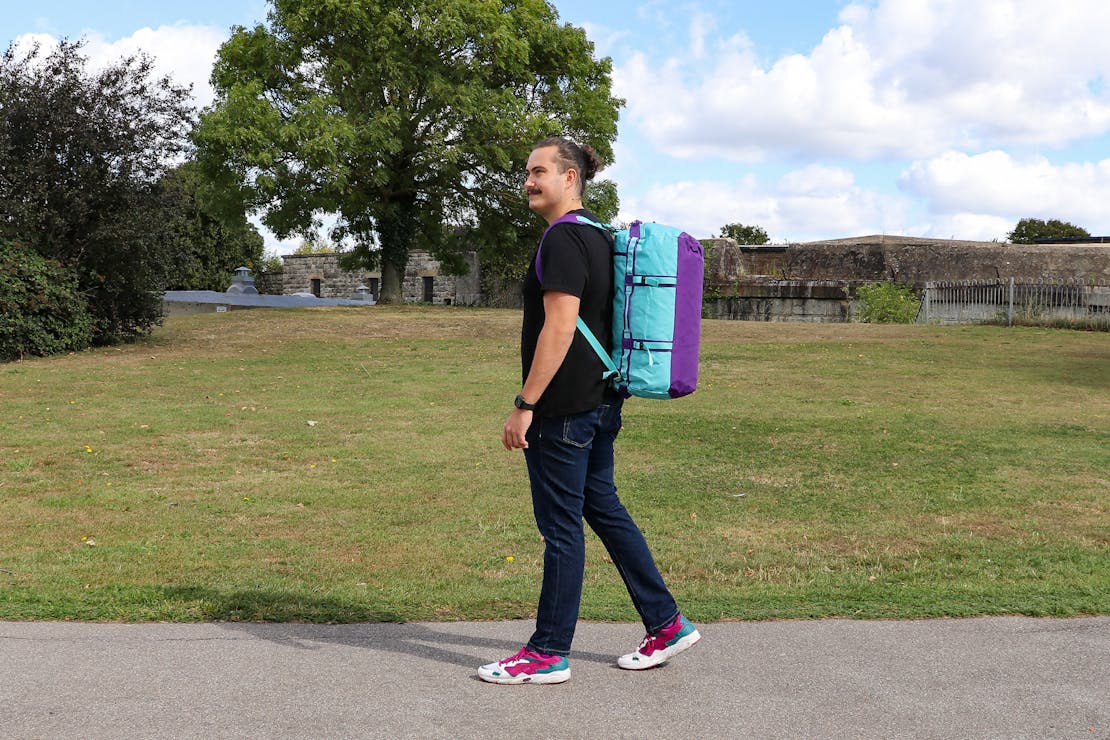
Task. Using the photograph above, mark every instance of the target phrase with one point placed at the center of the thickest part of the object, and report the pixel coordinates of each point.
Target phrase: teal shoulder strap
(612, 371)
(603, 227)
(589, 335)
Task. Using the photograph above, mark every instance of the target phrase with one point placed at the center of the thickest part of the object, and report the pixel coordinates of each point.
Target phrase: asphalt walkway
(1007, 677)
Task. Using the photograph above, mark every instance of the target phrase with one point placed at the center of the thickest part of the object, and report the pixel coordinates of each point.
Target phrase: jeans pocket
(579, 430)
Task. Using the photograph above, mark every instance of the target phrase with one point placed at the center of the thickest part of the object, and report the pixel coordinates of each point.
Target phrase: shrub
(41, 310)
(887, 303)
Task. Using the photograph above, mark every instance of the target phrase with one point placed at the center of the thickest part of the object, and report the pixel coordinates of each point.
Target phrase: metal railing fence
(1084, 303)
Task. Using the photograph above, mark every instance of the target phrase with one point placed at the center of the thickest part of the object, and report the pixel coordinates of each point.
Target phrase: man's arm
(560, 319)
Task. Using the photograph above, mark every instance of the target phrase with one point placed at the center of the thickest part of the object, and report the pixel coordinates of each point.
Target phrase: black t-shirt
(575, 259)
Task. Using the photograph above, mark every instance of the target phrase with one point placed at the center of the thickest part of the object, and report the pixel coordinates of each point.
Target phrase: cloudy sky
(812, 118)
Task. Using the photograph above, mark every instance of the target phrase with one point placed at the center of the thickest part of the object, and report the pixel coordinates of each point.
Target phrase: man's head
(558, 170)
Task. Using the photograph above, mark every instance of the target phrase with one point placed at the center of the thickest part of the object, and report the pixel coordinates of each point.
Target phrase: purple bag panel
(687, 319)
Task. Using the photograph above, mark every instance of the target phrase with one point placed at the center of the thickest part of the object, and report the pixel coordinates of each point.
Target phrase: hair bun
(593, 162)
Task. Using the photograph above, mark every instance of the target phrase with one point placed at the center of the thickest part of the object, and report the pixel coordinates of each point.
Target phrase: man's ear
(572, 177)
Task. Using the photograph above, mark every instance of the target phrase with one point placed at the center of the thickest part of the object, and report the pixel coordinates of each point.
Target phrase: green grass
(820, 470)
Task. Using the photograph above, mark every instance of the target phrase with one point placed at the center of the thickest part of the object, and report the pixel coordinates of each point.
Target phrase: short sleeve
(563, 261)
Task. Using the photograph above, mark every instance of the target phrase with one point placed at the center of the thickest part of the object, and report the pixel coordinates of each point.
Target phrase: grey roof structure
(256, 300)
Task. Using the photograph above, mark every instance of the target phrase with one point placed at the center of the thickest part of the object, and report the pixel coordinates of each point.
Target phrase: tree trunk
(392, 277)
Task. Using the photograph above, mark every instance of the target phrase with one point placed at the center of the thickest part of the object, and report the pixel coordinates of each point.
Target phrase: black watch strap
(523, 405)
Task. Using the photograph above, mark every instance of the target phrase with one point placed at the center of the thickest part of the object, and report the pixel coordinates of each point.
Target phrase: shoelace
(661, 634)
(515, 659)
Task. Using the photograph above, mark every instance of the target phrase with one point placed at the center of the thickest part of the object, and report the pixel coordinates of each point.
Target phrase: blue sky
(812, 118)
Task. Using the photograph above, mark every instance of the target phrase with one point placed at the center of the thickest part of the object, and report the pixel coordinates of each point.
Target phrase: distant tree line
(1033, 230)
(742, 234)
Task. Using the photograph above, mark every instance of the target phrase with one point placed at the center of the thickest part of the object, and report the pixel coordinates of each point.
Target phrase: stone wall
(808, 301)
(462, 290)
(301, 270)
(905, 260)
(269, 283)
(812, 281)
(816, 281)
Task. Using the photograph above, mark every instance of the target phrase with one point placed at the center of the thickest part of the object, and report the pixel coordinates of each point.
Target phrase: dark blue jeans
(570, 467)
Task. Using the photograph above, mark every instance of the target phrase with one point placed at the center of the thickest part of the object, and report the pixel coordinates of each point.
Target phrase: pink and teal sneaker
(661, 646)
(527, 666)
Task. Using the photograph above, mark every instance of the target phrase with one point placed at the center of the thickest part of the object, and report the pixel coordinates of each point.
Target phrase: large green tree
(81, 153)
(399, 117)
(1029, 230)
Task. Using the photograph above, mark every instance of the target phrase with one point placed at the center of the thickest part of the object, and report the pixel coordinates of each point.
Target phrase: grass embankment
(345, 465)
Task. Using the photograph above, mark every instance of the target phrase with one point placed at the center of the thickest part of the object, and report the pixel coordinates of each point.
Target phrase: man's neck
(559, 213)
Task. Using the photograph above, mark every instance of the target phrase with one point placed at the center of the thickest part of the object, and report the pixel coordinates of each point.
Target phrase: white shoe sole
(486, 673)
(637, 662)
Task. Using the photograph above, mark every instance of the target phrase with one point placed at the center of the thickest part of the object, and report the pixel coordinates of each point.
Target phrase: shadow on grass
(210, 604)
(281, 618)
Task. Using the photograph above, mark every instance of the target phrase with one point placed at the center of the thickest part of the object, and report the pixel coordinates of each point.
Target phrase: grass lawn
(342, 465)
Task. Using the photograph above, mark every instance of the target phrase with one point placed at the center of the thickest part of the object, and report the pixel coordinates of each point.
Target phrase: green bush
(887, 303)
(41, 311)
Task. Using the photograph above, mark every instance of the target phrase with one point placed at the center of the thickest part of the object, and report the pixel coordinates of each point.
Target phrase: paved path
(1006, 677)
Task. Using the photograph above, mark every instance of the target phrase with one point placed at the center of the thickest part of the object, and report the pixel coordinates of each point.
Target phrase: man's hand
(516, 426)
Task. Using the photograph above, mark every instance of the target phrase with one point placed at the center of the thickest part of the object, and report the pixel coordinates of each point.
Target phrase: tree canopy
(401, 119)
(742, 234)
(1030, 230)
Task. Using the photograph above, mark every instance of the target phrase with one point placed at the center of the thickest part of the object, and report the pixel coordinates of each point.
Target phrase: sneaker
(527, 666)
(661, 646)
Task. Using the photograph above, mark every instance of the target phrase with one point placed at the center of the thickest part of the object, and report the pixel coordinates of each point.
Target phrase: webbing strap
(653, 281)
(589, 335)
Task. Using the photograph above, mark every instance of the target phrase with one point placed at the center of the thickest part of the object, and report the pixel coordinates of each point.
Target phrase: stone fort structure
(816, 281)
(424, 281)
(810, 281)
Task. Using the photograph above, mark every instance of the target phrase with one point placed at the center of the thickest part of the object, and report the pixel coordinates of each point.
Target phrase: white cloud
(903, 79)
(812, 203)
(604, 39)
(997, 185)
(185, 53)
(966, 226)
(701, 24)
(270, 242)
(701, 208)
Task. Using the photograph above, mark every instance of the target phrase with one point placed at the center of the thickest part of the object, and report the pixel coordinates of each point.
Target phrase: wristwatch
(523, 405)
